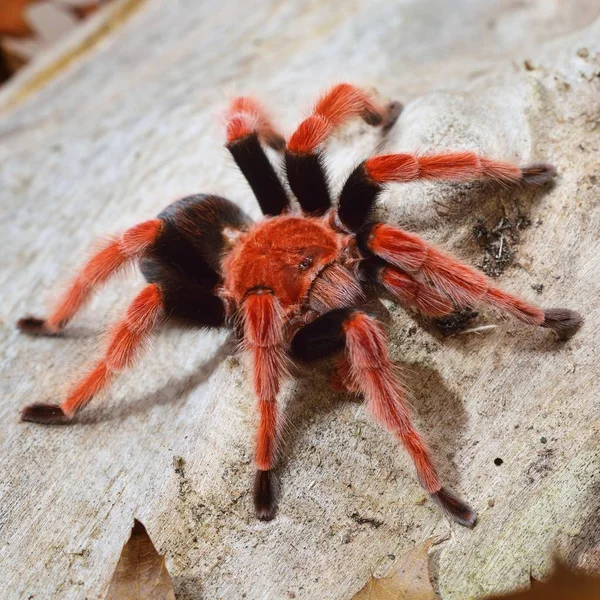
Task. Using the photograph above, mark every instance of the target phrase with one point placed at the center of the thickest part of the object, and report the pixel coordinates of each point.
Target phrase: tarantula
(292, 284)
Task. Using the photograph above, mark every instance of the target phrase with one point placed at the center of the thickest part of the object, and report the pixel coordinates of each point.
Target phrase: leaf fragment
(408, 579)
(141, 573)
(563, 584)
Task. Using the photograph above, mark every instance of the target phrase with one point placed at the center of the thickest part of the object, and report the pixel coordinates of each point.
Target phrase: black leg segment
(357, 199)
(257, 169)
(308, 180)
(323, 337)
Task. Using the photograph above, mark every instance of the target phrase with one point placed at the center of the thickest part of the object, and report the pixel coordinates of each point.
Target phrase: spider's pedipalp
(305, 168)
(113, 257)
(247, 126)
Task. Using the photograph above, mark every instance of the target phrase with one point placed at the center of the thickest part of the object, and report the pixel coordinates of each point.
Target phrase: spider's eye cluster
(306, 263)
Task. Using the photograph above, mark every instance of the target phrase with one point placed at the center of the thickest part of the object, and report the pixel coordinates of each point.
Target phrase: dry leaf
(141, 573)
(408, 579)
(564, 584)
(12, 18)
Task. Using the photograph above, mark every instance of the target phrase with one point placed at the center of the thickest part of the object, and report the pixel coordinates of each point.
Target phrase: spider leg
(305, 169)
(365, 183)
(125, 341)
(366, 368)
(263, 338)
(461, 283)
(247, 126)
(115, 255)
(404, 288)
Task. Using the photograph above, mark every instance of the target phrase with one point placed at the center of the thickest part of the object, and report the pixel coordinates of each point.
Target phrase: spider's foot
(275, 140)
(455, 508)
(538, 174)
(563, 321)
(393, 110)
(34, 326)
(44, 413)
(265, 495)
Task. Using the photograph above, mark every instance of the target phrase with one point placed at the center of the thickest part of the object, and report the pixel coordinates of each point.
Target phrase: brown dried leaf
(12, 18)
(141, 573)
(563, 584)
(408, 579)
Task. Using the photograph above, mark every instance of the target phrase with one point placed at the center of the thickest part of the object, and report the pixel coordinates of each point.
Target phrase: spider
(292, 284)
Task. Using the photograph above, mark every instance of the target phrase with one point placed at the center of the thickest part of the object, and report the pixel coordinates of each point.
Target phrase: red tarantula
(293, 284)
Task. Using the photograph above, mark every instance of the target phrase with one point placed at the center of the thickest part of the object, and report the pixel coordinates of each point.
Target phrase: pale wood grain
(135, 124)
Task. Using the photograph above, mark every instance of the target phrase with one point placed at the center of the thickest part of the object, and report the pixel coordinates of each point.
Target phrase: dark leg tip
(34, 326)
(275, 141)
(455, 508)
(265, 495)
(563, 321)
(44, 413)
(394, 109)
(538, 174)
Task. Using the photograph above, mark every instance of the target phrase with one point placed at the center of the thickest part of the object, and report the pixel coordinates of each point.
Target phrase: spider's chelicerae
(292, 284)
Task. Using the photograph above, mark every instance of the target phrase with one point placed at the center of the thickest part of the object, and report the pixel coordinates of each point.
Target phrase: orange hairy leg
(246, 116)
(373, 374)
(113, 257)
(337, 106)
(451, 166)
(461, 283)
(305, 169)
(247, 126)
(365, 368)
(366, 182)
(263, 337)
(124, 343)
(406, 289)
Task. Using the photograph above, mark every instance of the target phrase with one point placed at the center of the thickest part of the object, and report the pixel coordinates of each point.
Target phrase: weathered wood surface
(133, 125)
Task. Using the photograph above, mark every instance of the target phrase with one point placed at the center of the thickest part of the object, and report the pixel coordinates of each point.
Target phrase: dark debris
(366, 520)
(455, 322)
(500, 243)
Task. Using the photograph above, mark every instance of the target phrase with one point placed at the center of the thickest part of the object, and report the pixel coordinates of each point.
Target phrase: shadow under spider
(582, 551)
(441, 415)
(174, 391)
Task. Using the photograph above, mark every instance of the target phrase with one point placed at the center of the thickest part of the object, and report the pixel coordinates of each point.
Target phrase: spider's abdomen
(194, 236)
(185, 259)
(282, 254)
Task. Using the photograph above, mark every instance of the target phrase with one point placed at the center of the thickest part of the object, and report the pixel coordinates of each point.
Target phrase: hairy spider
(292, 284)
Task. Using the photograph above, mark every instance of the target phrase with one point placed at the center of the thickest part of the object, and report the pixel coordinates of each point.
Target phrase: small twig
(480, 329)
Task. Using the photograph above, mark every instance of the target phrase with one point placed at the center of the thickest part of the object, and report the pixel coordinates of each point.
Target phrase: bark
(95, 141)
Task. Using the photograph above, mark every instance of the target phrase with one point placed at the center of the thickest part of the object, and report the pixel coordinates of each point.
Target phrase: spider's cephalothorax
(293, 284)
